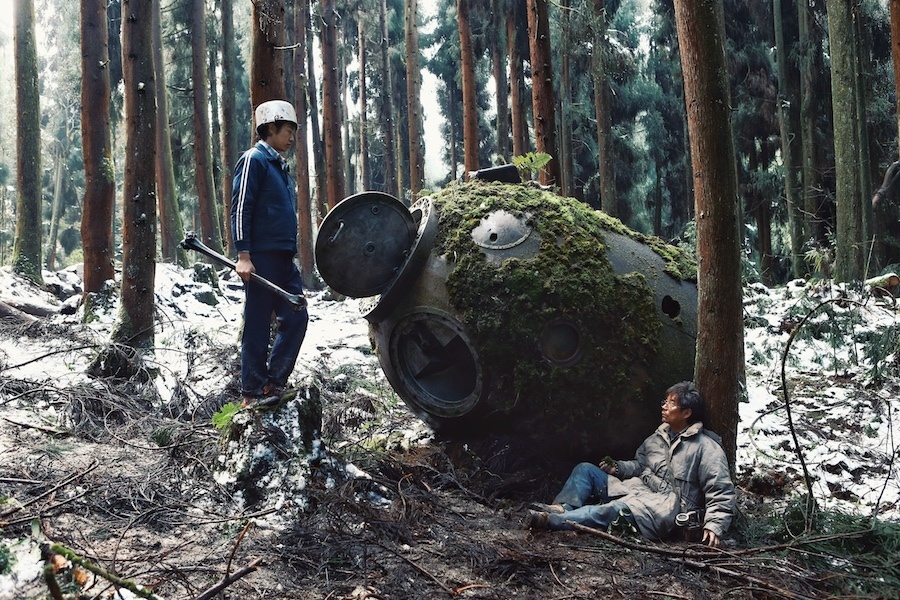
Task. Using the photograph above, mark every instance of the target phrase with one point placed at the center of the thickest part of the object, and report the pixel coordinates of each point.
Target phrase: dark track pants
(259, 364)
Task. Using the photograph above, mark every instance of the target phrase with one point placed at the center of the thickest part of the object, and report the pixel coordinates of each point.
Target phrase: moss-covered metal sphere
(516, 312)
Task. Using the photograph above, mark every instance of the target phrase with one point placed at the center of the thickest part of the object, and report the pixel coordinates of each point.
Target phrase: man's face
(673, 414)
(282, 139)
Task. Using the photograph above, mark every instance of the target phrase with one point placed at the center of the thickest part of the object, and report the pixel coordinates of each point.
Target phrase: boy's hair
(263, 130)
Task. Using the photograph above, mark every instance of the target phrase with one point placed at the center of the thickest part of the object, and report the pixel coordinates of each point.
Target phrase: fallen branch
(743, 577)
(47, 430)
(228, 580)
(101, 572)
(715, 552)
(44, 511)
(698, 560)
(63, 483)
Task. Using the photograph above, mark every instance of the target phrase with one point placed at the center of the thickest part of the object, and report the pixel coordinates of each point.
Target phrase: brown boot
(536, 519)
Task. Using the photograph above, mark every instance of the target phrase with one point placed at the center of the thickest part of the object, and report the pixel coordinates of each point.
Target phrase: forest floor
(126, 474)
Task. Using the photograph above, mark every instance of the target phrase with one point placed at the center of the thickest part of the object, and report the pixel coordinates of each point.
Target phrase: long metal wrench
(190, 242)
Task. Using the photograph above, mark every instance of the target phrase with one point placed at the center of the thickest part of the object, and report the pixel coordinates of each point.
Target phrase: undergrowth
(850, 555)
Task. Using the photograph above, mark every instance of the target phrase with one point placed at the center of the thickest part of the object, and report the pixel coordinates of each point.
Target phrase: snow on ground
(842, 368)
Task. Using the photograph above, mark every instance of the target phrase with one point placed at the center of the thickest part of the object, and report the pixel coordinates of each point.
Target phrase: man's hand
(244, 266)
(710, 539)
(608, 465)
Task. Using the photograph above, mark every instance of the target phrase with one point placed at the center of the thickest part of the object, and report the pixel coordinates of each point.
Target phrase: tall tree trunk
(469, 102)
(520, 138)
(215, 132)
(542, 89)
(810, 63)
(312, 97)
(790, 152)
(454, 132)
(347, 154)
(895, 59)
(266, 47)
(364, 177)
(331, 121)
(565, 103)
(96, 147)
(134, 323)
(861, 66)
(849, 232)
(301, 151)
(501, 10)
(720, 331)
(58, 168)
(762, 213)
(229, 114)
(206, 188)
(171, 229)
(27, 243)
(387, 118)
(602, 111)
(413, 100)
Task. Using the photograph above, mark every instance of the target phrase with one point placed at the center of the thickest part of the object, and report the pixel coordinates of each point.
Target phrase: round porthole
(437, 365)
(560, 343)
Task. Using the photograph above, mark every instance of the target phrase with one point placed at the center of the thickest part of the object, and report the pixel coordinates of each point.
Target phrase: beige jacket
(694, 463)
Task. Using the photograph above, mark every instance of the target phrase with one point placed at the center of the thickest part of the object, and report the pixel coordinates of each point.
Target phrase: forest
(624, 150)
(759, 136)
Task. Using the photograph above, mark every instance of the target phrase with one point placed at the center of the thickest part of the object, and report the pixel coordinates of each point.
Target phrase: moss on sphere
(600, 402)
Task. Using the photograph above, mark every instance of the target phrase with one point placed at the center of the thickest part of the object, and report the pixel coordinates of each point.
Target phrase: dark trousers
(259, 364)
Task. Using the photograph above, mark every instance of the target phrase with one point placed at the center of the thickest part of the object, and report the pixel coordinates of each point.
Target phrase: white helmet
(275, 110)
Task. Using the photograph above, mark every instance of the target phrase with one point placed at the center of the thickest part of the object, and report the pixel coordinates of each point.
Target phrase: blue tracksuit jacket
(263, 203)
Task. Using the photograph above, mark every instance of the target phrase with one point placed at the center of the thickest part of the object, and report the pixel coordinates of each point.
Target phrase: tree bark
(134, 323)
(301, 151)
(720, 333)
(364, 176)
(790, 153)
(501, 10)
(266, 47)
(387, 118)
(861, 66)
(413, 100)
(565, 102)
(203, 176)
(331, 121)
(542, 93)
(312, 97)
(27, 244)
(895, 58)
(171, 229)
(602, 111)
(520, 137)
(96, 147)
(58, 168)
(810, 64)
(467, 74)
(347, 168)
(849, 239)
(229, 113)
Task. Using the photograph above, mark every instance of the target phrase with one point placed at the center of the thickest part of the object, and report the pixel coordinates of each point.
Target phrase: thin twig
(420, 568)
(228, 580)
(807, 478)
(235, 547)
